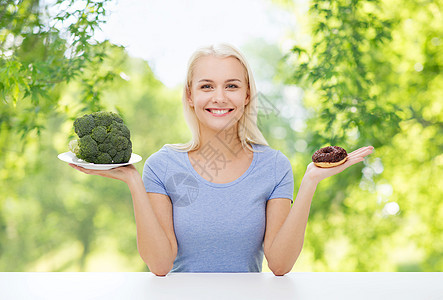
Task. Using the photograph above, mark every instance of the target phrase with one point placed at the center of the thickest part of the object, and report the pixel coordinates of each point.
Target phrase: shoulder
(162, 157)
(265, 149)
(270, 153)
(272, 159)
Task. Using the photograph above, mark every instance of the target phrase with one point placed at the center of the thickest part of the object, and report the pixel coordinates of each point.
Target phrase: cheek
(198, 98)
(241, 111)
(240, 98)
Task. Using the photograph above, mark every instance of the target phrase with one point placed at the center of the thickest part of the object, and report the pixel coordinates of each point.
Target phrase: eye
(205, 86)
(232, 86)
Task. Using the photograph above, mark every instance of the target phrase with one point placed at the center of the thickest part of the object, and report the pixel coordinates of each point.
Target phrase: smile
(219, 112)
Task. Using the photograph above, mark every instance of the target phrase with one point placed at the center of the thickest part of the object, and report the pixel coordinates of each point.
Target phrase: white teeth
(219, 111)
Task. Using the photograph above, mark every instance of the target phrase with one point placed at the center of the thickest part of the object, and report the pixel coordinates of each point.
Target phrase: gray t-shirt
(219, 227)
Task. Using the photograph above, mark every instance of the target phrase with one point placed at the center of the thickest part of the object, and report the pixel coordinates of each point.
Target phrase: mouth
(219, 112)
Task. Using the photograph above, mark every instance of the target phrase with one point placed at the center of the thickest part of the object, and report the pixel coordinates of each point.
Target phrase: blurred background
(346, 72)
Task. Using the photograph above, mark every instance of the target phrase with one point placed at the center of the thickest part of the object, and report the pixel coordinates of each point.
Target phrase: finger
(361, 152)
(84, 170)
(353, 160)
(76, 167)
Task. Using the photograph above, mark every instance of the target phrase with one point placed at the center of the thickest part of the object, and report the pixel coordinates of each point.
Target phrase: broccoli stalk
(73, 146)
(103, 139)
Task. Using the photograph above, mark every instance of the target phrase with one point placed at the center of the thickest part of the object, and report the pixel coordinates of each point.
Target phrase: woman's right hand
(120, 173)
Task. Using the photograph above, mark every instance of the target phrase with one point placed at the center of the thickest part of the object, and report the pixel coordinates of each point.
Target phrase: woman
(223, 200)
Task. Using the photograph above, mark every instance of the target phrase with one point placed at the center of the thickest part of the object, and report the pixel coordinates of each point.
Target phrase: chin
(222, 126)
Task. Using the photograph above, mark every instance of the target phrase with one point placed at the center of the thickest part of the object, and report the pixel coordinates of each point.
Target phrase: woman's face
(219, 92)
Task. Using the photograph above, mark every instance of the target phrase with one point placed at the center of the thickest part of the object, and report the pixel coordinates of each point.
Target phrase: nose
(219, 96)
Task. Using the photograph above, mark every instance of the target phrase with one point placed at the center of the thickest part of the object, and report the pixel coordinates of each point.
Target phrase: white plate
(70, 157)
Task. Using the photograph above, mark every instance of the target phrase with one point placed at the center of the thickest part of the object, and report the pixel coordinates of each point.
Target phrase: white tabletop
(221, 286)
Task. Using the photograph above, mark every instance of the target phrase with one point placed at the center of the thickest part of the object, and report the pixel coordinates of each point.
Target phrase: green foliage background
(359, 73)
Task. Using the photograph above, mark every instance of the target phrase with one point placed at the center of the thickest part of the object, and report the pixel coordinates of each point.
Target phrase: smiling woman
(222, 201)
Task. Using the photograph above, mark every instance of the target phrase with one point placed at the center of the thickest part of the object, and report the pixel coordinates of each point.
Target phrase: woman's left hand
(318, 174)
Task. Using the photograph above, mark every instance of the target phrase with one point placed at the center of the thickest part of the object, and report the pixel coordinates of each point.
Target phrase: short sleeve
(284, 178)
(154, 172)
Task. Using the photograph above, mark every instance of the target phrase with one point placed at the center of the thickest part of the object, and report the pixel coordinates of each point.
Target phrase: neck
(226, 143)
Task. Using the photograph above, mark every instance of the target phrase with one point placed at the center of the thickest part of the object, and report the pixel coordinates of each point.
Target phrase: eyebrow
(229, 80)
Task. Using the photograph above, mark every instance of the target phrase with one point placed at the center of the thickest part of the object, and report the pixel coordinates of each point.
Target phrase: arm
(156, 240)
(285, 226)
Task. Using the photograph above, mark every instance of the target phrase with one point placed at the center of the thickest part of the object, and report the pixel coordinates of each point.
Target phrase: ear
(247, 99)
(189, 98)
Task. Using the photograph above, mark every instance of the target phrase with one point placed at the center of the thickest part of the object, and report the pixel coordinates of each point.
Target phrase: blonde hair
(247, 131)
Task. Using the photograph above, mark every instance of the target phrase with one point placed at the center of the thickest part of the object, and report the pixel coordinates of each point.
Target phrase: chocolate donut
(330, 156)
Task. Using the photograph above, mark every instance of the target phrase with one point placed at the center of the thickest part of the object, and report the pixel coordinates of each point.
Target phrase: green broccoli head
(103, 139)
(88, 148)
(84, 125)
(99, 134)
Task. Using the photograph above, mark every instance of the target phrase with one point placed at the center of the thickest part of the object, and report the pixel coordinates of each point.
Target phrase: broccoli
(103, 139)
